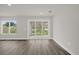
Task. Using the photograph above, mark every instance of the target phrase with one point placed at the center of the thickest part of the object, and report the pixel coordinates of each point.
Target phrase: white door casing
(37, 37)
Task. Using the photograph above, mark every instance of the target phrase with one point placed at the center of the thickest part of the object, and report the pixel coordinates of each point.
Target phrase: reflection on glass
(12, 27)
(8, 26)
(39, 28)
(45, 28)
(5, 27)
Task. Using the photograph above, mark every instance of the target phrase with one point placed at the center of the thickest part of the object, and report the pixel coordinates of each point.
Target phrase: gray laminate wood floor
(31, 47)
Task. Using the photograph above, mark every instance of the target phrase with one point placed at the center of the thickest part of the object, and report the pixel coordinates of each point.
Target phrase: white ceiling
(25, 9)
(34, 9)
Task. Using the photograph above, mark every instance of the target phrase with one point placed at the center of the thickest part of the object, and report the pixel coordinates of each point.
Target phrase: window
(8, 26)
(39, 28)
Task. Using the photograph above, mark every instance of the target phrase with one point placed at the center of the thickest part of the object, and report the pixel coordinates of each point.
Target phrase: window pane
(5, 27)
(45, 28)
(33, 28)
(13, 26)
(38, 28)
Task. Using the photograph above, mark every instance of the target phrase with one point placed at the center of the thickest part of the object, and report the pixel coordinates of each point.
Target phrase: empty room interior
(39, 29)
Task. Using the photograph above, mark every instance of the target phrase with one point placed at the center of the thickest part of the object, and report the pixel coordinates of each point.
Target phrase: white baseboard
(64, 47)
(13, 38)
(21, 38)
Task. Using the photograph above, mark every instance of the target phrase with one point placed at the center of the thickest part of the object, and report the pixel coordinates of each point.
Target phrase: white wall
(21, 31)
(21, 23)
(66, 27)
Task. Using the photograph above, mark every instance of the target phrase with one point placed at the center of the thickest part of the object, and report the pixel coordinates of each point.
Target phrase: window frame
(9, 33)
(29, 28)
(41, 30)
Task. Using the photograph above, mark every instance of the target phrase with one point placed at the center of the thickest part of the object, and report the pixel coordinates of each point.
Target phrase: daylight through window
(8, 26)
(39, 28)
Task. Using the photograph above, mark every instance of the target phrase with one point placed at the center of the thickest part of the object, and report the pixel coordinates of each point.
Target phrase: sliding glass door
(38, 28)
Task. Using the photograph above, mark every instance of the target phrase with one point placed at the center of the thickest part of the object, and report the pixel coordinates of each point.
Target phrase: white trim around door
(41, 35)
